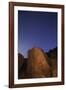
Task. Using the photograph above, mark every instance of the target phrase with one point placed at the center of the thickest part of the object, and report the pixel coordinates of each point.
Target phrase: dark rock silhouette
(23, 70)
(37, 65)
(20, 61)
(22, 66)
(52, 54)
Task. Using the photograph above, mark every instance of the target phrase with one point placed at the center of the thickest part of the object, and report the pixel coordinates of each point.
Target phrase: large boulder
(37, 65)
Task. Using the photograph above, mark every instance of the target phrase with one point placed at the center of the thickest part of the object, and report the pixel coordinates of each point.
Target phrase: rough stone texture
(37, 65)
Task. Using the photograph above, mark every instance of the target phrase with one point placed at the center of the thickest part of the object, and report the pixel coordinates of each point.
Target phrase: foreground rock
(37, 65)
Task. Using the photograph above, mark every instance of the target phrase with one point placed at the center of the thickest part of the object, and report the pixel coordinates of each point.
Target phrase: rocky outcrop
(52, 54)
(37, 65)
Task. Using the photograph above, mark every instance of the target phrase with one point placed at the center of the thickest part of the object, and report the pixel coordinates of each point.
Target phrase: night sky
(36, 29)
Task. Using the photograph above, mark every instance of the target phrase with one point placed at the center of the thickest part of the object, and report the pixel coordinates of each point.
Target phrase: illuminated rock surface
(37, 63)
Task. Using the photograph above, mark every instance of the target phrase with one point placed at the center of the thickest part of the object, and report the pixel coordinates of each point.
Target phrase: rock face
(52, 54)
(37, 65)
(20, 61)
(20, 64)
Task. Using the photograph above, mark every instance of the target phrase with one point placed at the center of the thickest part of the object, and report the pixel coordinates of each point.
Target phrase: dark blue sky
(36, 29)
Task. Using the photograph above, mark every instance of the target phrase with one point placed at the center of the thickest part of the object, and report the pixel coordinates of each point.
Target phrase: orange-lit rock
(37, 65)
